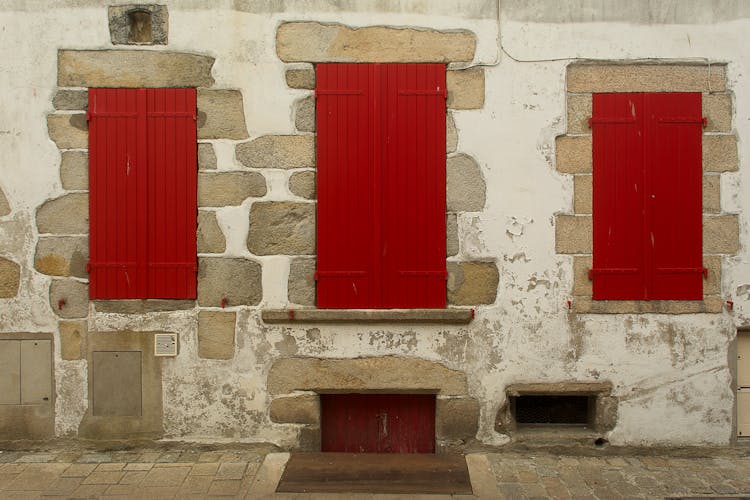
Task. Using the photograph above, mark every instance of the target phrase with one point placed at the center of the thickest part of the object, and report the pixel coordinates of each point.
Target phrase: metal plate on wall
(116, 381)
(10, 372)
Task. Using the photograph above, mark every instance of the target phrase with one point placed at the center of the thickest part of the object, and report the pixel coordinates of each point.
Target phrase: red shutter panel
(618, 199)
(117, 172)
(347, 180)
(413, 189)
(674, 207)
(172, 198)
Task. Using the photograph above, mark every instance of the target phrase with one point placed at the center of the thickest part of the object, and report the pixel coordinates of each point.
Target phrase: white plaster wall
(671, 373)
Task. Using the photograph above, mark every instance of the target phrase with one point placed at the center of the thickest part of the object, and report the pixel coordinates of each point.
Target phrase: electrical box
(165, 344)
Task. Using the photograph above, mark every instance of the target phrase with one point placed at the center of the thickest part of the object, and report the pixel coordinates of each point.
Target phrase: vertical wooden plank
(674, 176)
(618, 197)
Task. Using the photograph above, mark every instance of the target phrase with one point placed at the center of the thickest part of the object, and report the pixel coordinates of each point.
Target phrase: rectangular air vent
(165, 344)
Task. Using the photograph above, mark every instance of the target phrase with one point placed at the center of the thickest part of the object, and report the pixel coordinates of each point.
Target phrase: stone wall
(573, 231)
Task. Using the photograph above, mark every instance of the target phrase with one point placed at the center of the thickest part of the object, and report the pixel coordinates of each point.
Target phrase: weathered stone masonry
(573, 232)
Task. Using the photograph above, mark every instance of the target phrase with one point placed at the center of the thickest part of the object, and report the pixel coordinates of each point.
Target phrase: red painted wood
(347, 169)
(381, 185)
(675, 176)
(142, 209)
(115, 173)
(172, 188)
(413, 194)
(378, 423)
(647, 196)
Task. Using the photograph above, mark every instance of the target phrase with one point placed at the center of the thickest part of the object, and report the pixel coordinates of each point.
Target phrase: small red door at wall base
(378, 423)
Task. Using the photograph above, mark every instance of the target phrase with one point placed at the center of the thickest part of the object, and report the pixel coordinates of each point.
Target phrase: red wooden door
(378, 423)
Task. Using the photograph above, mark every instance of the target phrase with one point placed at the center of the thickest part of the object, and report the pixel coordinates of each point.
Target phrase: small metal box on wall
(743, 383)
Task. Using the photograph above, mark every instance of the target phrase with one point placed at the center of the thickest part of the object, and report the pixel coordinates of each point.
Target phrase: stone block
(216, 334)
(220, 189)
(150, 28)
(72, 338)
(456, 418)
(74, 296)
(583, 78)
(68, 214)
(278, 151)
(721, 234)
(711, 194)
(391, 373)
(62, 256)
(236, 280)
(300, 78)
(712, 283)
(68, 131)
(717, 108)
(451, 235)
(472, 283)
(451, 134)
(582, 285)
(210, 237)
(583, 194)
(301, 284)
(71, 100)
(605, 413)
(142, 306)
(10, 278)
(206, 156)
(720, 153)
(573, 154)
(296, 410)
(317, 42)
(221, 114)
(282, 228)
(303, 184)
(573, 234)
(465, 186)
(578, 112)
(132, 69)
(304, 114)
(465, 88)
(585, 305)
(4, 205)
(74, 170)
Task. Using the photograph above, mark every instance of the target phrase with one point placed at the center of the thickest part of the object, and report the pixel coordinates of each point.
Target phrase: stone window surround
(604, 409)
(465, 91)
(295, 385)
(573, 232)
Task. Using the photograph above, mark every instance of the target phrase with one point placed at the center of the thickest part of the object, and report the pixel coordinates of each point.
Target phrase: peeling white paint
(670, 373)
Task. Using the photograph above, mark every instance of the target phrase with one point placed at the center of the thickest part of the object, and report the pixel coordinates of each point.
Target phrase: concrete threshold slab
(483, 482)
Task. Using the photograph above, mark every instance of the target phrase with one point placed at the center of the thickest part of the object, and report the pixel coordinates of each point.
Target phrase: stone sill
(141, 306)
(441, 316)
(560, 389)
(586, 305)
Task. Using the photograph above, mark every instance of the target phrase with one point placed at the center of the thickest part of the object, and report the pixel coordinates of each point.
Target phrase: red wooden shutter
(117, 174)
(413, 190)
(618, 199)
(674, 182)
(172, 173)
(142, 208)
(348, 179)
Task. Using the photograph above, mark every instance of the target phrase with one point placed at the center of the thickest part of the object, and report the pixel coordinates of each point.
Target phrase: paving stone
(139, 467)
(63, 486)
(224, 487)
(204, 469)
(95, 458)
(196, 485)
(231, 470)
(133, 477)
(110, 477)
(166, 476)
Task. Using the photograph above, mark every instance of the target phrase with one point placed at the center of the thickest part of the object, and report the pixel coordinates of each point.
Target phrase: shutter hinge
(704, 121)
(705, 269)
(88, 116)
(590, 121)
(88, 267)
(315, 276)
(445, 94)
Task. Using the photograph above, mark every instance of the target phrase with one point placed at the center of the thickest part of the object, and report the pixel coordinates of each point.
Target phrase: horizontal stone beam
(441, 316)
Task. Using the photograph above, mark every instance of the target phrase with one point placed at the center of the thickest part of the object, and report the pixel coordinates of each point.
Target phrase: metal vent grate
(165, 344)
(569, 410)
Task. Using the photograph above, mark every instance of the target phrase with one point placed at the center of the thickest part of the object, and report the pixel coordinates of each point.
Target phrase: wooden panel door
(378, 423)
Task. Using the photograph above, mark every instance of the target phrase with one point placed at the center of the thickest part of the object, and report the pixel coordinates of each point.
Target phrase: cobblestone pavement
(253, 471)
